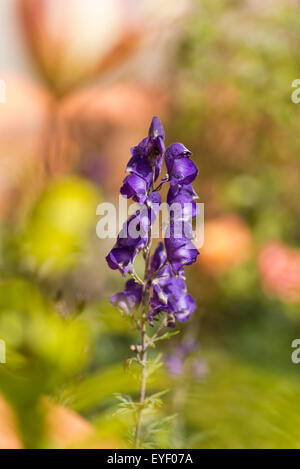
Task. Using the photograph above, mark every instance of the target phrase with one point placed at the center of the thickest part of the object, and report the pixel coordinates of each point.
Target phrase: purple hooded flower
(129, 299)
(134, 236)
(146, 157)
(179, 246)
(176, 302)
(121, 258)
(168, 293)
(174, 152)
(184, 198)
(182, 170)
(160, 268)
(135, 187)
(185, 306)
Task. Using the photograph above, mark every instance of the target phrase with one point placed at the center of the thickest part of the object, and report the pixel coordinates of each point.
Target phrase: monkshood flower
(134, 236)
(181, 169)
(169, 293)
(183, 199)
(171, 297)
(161, 295)
(180, 249)
(145, 164)
(129, 299)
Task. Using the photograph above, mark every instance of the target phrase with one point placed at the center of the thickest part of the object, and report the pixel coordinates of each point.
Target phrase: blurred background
(83, 80)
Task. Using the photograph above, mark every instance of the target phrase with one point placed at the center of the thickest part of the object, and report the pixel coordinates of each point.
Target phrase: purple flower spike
(129, 299)
(164, 277)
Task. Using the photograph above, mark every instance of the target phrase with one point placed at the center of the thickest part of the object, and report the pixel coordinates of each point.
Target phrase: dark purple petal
(179, 230)
(134, 236)
(120, 258)
(185, 307)
(153, 202)
(183, 171)
(174, 152)
(185, 198)
(156, 128)
(129, 298)
(146, 157)
(139, 164)
(169, 295)
(154, 198)
(136, 187)
(180, 252)
(158, 258)
(135, 232)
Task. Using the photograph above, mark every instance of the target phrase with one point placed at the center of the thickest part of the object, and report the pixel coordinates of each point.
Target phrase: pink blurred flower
(23, 122)
(104, 121)
(279, 268)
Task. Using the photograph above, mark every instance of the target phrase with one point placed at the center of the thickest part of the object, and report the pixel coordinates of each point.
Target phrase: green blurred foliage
(59, 225)
(238, 62)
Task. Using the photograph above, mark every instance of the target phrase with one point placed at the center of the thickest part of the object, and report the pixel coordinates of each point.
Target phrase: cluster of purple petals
(127, 300)
(134, 236)
(182, 172)
(165, 279)
(168, 292)
(146, 157)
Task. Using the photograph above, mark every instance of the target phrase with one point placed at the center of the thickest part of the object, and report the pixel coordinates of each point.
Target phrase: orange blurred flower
(227, 242)
(9, 437)
(64, 427)
(279, 268)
